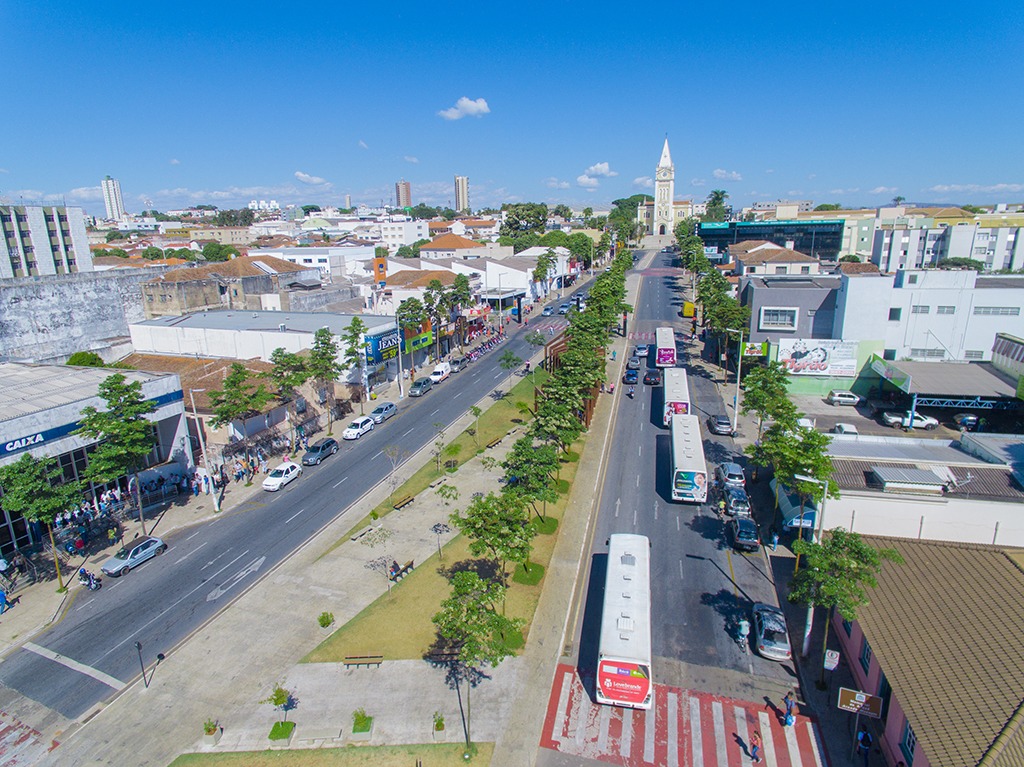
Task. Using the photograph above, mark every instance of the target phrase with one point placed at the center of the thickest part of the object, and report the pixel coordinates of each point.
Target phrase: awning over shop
(789, 505)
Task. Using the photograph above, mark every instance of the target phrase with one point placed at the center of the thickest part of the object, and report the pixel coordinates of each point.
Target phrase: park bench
(404, 501)
(311, 734)
(364, 531)
(362, 660)
(437, 482)
(406, 569)
(494, 442)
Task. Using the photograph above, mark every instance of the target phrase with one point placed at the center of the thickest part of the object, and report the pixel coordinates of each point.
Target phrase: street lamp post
(501, 307)
(202, 449)
(809, 623)
(739, 366)
(138, 646)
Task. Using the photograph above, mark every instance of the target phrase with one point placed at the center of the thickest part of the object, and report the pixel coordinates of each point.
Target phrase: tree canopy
(524, 218)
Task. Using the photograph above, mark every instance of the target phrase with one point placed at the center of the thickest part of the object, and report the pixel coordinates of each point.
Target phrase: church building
(661, 216)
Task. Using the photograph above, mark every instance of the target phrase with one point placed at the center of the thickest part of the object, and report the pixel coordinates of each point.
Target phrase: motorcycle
(89, 580)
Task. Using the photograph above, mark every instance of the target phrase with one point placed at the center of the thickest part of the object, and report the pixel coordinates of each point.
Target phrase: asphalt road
(699, 586)
(90, 654)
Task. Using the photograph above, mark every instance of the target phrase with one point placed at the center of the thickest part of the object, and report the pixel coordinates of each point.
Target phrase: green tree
(113, 252)
(588, 213)
(307, 209)
(116, 234)
(562, 211)
(961, 263)
(826, 206)
(404, 251)
(546, 264)
(497, 525)
(533, 469)
(85, 360)
(460, 297)
(152, 253)
(524, 218)
(214, 251)
(324, 367)
(716, 209)
(124, 435)
(838, 573)
(437, 305)
(582, 248)
(898, 200)
(973, 209)
(410, 316)
(622, 217)
(765, 393)
(850, 259)
(238, 399)
(288, 374)
(510, 362)
(35, 489)
(353, 353)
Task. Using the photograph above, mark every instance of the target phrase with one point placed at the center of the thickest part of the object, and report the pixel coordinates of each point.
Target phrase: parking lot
(826, 416)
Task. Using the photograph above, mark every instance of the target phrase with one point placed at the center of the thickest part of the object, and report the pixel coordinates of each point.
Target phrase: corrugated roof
(236, 267)
(198, 376)
(946, 628)
(958, 379)
(450, 242)
(986, 482)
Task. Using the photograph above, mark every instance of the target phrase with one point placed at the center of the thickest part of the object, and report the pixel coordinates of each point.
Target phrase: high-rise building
(42, 239)
(112, 198)
(461, 193)
(348, 202)
(403, 194)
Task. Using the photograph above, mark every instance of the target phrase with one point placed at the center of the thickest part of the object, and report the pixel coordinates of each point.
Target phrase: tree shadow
(291, 704)
(486, 569)
(710, 528)
(730, 607)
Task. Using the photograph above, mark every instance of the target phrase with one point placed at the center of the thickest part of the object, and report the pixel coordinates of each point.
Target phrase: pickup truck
(899, 420)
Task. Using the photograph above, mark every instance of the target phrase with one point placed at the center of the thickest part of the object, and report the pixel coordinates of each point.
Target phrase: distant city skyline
(781, 102)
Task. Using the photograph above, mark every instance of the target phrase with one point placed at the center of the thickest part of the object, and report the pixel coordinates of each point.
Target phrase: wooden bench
(404, 501)
(364, 531)
(362, 660)
(437, 482)
(406, 569)
(494, 442)
(319, 733)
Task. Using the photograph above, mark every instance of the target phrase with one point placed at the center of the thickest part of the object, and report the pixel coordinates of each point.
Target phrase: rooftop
(985, 482)
(236, 267)
(896, 449)
(271, 322)
(198, 376)
(450, 242)
(421, 278)
(957, 379)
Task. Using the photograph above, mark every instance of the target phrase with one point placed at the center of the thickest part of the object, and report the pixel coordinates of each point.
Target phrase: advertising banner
(755, 350)
(819, 357)
(381, 347)
(891, 373)
(624, 682)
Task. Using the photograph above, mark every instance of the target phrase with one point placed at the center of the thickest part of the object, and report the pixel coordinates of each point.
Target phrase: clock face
(662, 174)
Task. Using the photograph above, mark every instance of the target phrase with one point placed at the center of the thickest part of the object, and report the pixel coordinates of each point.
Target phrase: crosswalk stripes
(684, 728)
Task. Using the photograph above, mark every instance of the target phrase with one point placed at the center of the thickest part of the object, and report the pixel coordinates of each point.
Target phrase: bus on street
(665, 347)
(689, 468)
(624, 655)
(677, 394)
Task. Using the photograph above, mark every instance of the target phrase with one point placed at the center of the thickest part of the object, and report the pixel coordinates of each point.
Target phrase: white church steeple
(664, 193)
(666, 157)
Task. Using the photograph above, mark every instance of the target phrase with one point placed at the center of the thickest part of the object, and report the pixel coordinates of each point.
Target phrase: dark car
(652, 377)
(320, 450)
(720, 424)
(966, 421)
(743, 535)
(630, 377)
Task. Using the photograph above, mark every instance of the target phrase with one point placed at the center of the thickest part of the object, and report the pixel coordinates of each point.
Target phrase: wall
(47, 319)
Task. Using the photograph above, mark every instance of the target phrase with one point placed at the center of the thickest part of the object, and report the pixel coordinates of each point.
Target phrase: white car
(281, 476)
(358, 428)
(383, 412)
(898, 420)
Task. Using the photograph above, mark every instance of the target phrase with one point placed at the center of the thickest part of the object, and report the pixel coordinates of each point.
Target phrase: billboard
(624, 682)
(755, 350)
(819, 357)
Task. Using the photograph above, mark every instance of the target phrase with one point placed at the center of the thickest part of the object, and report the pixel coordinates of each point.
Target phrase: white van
(440, 372)
(842, 397)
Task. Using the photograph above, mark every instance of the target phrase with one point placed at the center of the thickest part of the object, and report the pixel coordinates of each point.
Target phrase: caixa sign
(21, 444)
(32, 440)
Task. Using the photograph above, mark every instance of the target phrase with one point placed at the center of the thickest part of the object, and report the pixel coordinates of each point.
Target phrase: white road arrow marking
(221, 590)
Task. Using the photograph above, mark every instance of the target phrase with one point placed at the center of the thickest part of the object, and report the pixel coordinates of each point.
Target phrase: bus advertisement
(665, 348)
(624, 654)
(677, 394)
(689, 468)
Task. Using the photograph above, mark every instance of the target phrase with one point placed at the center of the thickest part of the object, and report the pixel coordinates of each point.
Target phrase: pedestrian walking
(755, 747)
(206, 484)
(775, 540)
(790, 703)
(864, 741)
(111, 536)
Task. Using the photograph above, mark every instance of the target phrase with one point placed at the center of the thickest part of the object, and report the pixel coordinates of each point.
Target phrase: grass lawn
(398, 624)
(439, 755)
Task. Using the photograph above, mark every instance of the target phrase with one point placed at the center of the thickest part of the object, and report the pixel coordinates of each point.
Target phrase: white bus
(624, 656)
(677, 394)
(689, 469)
(665, 347)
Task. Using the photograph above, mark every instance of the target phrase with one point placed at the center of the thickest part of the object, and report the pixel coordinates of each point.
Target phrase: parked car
(420, 387)
(633, 363)
(742, 534)
(547, 311)
(966, 421)
(563, 309)
(901, 420)
(383, 412)
(652, 377)
(133, 555)
(440, 372)
(770, 635)
(359, 427)
(631, 377)
(319, 450)
(730, 475)
(720, 424)
(842, 397)
(641, 350)
(845, 428)
(737, 502)
(458, 363)
(281, 476)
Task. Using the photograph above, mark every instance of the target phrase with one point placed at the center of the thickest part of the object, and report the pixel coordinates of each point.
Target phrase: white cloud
(883, 190)
(4, 170)
(16, 195)
(465, 107)
(770, 170)
(410, 158)
(555, 183)
(851, 190)
(812, 176)
(600, 169)
(363, 144)
(645, 182)
(305, 178)
(587, 182)
(698, 182)
(86, 193)
(175, 161)
(727, 175)
(991, 188)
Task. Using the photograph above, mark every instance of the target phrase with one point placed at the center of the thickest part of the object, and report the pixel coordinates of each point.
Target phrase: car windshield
(279, 472)
(355, 425)
(122, 553)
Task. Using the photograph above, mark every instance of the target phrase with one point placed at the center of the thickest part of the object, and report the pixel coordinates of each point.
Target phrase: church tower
(664, 193)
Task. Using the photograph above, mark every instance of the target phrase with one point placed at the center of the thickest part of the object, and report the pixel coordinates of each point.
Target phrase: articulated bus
(689, 469)
(677, 394)
(624, 656)
(665, 348)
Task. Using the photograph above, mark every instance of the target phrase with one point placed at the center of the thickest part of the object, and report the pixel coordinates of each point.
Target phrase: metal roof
(301, 322)
(890, 475)
(880, 449)
(955, 379)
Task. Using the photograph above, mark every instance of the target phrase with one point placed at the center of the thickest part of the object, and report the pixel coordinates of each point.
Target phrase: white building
(661, 216)
(112, 198)
(910, 247)
(334, 262)
(461, 193)
(42, 239)
(397, 231)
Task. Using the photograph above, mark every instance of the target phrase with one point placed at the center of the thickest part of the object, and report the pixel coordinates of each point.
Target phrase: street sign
(831, 660)
(857, 702)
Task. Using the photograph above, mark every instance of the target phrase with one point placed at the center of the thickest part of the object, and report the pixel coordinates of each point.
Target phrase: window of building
(911, 278)
(895, 314)
(908, 742)
(774, 317)
(974, 354)
(930, 354)
(998, 311)
(805, 270)
(920, 309)
(945, 310)
(848, 627)
(865, 655)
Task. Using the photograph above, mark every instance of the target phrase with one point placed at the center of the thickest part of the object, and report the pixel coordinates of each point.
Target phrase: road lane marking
(293, 516)
(379, 454)
(197, 532)
(457, 395)
(681, 568)
(649, 728)
(191, 552)
(678, 528)
(634, 517)
(75, 665)
(432, 412)
(235, 579)
(617, 502)
(696, 736)
(640, 450)
(407, 433)
(340, 481)
(214, 559)
(638, 480)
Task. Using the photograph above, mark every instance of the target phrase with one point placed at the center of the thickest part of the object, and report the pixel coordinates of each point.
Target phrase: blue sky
(562, 101)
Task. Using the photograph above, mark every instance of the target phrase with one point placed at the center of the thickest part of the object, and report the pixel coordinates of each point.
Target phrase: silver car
(730, 475)
(383, 412)
(132, 555)
(770, 635)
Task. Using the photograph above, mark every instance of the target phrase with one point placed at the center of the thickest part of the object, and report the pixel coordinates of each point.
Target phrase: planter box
(440, 736)
(284, 742)
(327, 630)
(361, 737)
(212, 740)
